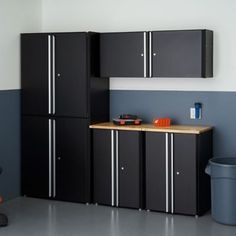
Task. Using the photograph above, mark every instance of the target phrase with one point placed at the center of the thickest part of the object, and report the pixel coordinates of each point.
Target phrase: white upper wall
(16, 16)
(140, 15)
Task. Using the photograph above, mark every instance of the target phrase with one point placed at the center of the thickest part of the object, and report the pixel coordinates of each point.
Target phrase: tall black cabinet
(61, 95)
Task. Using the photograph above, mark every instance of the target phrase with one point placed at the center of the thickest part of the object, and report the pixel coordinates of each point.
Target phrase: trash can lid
(224, 161)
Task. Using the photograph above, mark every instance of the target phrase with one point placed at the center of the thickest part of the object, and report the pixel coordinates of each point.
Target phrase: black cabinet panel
(177, 53)
(185, 174)
(129, 148)
(155, 171)
(72, 166)
(34, 74)
(102, 166)
(121, 54)
(71, 74)
(35, 157)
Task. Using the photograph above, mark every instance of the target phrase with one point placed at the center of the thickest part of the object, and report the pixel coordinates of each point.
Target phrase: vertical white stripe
(54, 158)
(112, 167)
(167, 174)
(150, 54)
(53, 73)
(144, 55)
(172, 173)
(117, 168)
(49, 158)
(49, 74)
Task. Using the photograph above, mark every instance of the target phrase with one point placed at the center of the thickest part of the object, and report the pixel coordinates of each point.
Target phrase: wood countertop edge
(185, 129)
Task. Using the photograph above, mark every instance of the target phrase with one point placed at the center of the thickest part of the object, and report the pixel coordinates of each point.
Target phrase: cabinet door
(34, 73)
(122, 54)
(129, 158)
(102, 166)
(71, 98)
(156, 171)
(177, 53)
(185, 201)
(72, 160)
(35, 157)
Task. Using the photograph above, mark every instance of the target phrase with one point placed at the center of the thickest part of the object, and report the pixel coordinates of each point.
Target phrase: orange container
(162, 122)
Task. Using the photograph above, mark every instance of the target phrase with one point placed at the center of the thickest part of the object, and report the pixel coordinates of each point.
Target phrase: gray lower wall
(10, 143)
(218, 111)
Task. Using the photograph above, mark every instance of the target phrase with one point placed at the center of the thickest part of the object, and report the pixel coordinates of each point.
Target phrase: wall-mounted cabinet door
(35, 53)
(185, 174)
(36, 157)
(156, 175)
(71, 86)
(72, 164)
(179, 53)
(123, 54)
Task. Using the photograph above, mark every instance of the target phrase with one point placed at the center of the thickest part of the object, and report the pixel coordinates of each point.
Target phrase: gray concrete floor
(36, 217)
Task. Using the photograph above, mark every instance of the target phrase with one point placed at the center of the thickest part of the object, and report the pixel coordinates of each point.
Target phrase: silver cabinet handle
(112, 169)
(49, 75)
(54, 158)
(172, 172)
(150, 54)
(145, 54)
(167, 173)
(117, 168)
(53, 74)
(50, 158)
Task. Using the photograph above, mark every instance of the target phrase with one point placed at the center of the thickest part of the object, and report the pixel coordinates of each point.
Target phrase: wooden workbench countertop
(186, 129)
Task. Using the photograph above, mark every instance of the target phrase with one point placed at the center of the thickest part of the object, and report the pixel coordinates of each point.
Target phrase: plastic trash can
(223, 189)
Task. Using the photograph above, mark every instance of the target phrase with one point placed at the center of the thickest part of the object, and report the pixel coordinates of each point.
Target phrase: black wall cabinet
(122, 54)
(117, 158)
(175, 178)
(179, 53)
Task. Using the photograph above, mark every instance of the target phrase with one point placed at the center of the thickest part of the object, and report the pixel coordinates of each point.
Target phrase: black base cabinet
(152, 170)
(175, 178)
(117, 164)
(155, 171)
(55, 163)
(102, 168)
